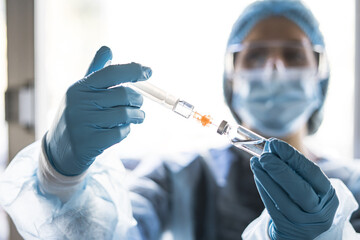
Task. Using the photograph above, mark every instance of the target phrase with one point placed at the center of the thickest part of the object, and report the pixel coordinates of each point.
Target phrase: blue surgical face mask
(274, 103)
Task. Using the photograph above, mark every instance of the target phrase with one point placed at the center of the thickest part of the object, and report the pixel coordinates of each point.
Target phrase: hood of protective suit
(294, 11)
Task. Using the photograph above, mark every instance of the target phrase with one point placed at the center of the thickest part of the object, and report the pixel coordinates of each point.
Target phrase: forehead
(276, 28)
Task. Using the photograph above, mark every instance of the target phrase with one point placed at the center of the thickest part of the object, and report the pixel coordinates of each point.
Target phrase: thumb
(102, 56)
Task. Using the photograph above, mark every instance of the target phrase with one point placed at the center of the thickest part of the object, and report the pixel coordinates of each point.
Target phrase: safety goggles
(279, 55)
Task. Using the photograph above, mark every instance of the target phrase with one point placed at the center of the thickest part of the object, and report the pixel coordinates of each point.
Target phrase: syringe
(238, 135)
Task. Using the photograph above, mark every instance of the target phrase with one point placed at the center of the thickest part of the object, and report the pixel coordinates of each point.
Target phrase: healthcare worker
(275, 81)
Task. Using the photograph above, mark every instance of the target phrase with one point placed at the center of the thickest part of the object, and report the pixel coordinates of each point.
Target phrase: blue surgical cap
(295, 11)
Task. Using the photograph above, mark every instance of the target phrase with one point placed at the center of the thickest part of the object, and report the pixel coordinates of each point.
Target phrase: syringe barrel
(162, 97)
(154, 93)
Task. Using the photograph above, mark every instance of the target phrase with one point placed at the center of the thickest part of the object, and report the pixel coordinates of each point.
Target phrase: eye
(295, 57)
(255, 58)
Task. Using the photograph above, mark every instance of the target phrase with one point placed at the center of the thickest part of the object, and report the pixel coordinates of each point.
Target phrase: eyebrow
(290, 41)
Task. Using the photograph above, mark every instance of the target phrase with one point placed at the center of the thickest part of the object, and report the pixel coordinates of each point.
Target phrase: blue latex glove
(296, 193)
(92, 117)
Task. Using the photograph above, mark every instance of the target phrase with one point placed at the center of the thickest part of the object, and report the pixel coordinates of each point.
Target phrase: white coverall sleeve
(47, 205)
(340, 229)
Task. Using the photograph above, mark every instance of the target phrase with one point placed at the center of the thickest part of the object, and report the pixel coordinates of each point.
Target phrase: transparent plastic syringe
(239, 136)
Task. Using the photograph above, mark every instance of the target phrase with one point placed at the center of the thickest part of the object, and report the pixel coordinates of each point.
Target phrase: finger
(114, 135)
(116, 74)
(270, 206)
(279, 197)
(304, 167)
(119, 96)
(105, 138)
(114, 117)
(102, 56)
(294, 185)
(284, 227)
(278, 219)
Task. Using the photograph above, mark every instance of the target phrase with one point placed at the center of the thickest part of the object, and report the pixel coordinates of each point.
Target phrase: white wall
(337, 22)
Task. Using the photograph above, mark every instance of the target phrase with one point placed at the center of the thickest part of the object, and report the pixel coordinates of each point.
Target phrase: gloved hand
(92, 117)
(297, 195)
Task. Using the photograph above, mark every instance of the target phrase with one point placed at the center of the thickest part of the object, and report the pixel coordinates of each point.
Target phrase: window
(3, 85)
(4, 231)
